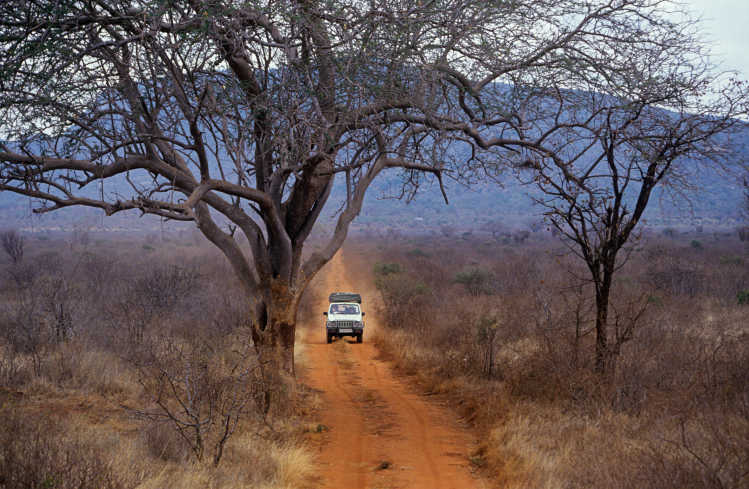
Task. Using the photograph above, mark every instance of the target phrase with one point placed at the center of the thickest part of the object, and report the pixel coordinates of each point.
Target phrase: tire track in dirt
(381, 433)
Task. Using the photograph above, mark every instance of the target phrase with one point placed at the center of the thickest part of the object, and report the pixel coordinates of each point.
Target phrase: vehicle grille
(345, 324)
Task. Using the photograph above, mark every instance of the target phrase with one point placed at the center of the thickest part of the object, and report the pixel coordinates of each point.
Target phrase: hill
(714, 200)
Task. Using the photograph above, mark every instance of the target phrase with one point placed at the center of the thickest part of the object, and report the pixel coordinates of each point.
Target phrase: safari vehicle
(344, 316)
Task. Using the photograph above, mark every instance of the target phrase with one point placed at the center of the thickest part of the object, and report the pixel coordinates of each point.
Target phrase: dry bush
(201, 387)
(13, 244)
(164, 442)
(22, 330)
(37, 453)
(83, 366)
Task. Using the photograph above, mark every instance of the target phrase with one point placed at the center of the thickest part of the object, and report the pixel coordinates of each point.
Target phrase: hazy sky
(726, 25)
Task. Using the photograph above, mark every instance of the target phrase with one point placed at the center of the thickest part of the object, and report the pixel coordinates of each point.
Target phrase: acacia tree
(598, 175)
(238, 115)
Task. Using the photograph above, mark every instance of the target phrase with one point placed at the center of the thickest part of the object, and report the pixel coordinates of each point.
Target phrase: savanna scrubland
(124, 362)
(504, 329)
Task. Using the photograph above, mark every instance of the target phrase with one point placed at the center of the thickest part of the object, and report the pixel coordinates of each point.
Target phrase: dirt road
(381, 433)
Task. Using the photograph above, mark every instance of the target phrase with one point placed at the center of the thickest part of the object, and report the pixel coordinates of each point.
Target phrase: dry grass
(251, 462)
(294, 467)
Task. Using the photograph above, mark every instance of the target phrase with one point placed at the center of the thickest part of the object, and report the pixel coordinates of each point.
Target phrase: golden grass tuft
(295, 468)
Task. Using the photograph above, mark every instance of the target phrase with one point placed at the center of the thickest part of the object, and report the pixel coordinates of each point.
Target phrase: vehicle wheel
(359, 337)
(330, 338)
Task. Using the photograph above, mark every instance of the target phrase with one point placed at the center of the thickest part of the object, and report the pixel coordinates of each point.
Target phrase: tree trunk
(273, 333)
(603, 354)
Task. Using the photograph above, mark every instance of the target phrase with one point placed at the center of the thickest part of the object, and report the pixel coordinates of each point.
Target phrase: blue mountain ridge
(715, 196)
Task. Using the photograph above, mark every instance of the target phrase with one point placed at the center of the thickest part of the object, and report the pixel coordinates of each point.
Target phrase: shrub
(37, 454)
(677, 277)
(417, 252)
(520, 236)
(200, 394)
(384, 269)
(655, 300)
(400, 293)
(13, 244)
(731, 260)
(696, 244)
(164, 442)
(476, 281)
(400, 289)
(486, 334)
(743, 297)
(162, 287)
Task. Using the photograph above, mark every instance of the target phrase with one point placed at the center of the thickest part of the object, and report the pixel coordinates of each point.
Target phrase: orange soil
(381, 432)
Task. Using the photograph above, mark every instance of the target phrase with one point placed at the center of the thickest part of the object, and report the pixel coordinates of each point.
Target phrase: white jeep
(344, 316)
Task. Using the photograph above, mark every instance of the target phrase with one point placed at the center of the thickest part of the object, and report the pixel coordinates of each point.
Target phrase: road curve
(380, 432)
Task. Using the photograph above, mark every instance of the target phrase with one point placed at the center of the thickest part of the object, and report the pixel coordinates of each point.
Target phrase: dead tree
(13, 244)
(240, 115)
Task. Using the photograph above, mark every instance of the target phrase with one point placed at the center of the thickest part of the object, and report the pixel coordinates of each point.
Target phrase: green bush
(416, 252)
(400, 292)
(476, 281)
(743, 297)
(696, 244)
(731, 260)
(655, 300)
(384, 269)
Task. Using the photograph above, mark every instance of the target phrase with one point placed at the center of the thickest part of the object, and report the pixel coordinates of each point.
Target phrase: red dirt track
(381, 433)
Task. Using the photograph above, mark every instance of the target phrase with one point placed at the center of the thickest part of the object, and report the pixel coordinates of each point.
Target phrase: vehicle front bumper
(344, 330)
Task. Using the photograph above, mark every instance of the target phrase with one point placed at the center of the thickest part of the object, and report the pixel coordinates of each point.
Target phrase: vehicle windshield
(344, 309)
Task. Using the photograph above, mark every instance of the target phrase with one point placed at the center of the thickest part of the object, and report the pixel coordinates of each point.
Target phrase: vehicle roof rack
(344, 297)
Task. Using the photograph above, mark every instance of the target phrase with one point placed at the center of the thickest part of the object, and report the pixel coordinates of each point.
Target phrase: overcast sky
(726, 25)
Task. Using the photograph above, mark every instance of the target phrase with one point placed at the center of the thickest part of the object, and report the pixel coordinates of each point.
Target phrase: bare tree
(598, 176)
(202, 397)
(13, 245)
(743, 230)
(240, 115)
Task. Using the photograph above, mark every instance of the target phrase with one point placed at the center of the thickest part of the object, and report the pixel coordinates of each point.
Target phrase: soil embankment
(379, 431)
